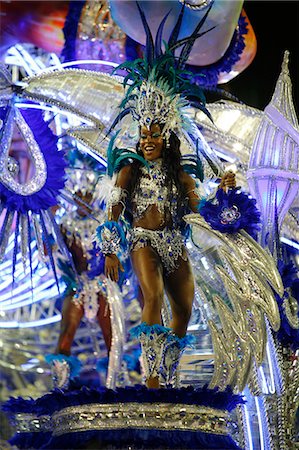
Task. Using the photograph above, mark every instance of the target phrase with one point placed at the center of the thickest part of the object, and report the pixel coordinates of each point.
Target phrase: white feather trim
(104, 187)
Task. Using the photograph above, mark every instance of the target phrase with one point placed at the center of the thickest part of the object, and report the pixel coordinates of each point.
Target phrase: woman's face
(151, 142)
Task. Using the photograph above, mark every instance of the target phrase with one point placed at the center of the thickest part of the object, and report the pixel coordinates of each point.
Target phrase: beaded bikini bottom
(168, 244)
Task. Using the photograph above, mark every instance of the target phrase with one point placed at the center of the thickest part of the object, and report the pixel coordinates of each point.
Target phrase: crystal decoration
(273, 166)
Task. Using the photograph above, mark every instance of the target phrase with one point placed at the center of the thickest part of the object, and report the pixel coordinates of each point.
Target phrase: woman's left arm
(191, 190)
(228, 180)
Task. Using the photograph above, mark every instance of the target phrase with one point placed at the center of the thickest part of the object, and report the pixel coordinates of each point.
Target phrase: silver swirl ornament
(7, 175)
(27, 201)
(249, 277)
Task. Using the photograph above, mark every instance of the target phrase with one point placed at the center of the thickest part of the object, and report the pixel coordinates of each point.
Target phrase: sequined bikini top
(79, 230)
(152, 190)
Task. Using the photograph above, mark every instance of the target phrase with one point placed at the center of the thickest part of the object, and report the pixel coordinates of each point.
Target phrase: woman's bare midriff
(153, 219)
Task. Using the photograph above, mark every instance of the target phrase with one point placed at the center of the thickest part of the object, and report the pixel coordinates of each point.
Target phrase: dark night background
(276, 26)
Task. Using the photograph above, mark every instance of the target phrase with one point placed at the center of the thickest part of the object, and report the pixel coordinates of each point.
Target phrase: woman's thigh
(148, 269)
(179, 286)
(71, 313)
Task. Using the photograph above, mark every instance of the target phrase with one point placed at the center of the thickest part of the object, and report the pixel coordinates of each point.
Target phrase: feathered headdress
(159, 89)
(83, 173)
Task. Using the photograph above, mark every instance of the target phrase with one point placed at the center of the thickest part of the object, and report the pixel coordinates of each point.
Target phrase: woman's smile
(151, 142)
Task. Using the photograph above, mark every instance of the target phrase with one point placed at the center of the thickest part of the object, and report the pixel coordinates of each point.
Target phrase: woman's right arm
(117, 201)
(115, 207)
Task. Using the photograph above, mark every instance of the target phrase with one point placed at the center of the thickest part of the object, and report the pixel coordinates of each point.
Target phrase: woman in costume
(84, 294)
(158, 195)
(156, 191)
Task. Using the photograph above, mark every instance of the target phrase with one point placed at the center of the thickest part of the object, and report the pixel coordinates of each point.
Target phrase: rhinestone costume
(153, 191)
(80, 230)
(167, 243)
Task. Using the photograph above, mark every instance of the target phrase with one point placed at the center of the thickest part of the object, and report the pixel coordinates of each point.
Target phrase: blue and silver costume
(152, 191)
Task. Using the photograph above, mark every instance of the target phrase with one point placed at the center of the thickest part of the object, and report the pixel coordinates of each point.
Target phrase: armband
(111, 238)
(118, 195)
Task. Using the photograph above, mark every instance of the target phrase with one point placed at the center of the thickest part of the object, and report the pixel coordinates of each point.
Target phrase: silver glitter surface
(38, 232)
(24, 238)
(30, 423)
(76, 91)
(117, 317)
(163, 416)
(7, 176)
(6, 233)
(240, 341)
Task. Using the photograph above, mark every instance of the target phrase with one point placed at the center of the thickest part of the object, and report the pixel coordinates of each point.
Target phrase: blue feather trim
(31, 440)
(143, 439)
(132, 360)
(144, 328)
(57, 399)
(232, 211)
(287, 335)
(102, 364)
(70, 27)
(113, 226)
(74, 363)
(186, 341)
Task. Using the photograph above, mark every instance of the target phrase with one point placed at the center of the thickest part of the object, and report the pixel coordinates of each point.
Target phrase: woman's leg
(64, 366)
(148, 269)
(180, 290)
(71, 318)
(104, 320)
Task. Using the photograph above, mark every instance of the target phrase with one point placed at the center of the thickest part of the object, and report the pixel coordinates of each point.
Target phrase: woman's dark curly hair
(172, 168)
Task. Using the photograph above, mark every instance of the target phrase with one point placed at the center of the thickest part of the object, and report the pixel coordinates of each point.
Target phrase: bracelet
(111, 238)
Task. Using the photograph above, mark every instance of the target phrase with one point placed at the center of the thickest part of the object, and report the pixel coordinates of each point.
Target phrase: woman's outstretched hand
(112, 266)
(228, 180)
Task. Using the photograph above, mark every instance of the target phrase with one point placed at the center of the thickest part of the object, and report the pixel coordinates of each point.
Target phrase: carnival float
(71, 364)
